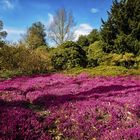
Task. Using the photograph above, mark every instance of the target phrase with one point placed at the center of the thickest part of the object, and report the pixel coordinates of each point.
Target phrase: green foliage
(35, 36)
(4, 74)
(24, 59)
(137, 62)
(126, 43)
(120, 33)
(127, 60)
(95, 54)
(93, 36)
(83, 41)
(68, 55)
(102, 71)
(2, 43)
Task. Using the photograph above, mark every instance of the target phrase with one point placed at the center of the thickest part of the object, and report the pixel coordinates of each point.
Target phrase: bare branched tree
(61, 27)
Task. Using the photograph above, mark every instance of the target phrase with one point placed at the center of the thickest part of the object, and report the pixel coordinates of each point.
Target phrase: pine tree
(121, 32)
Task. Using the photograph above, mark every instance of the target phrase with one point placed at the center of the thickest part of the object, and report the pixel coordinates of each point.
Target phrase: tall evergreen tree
(121, 32)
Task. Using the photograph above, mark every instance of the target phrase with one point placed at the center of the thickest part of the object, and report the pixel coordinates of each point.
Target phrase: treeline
(117, 43)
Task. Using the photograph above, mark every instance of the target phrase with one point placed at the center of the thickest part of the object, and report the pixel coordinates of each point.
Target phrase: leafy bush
(127, 60)
(24, 59)
(68, 55)
(95, 54)
(9, 73)
(103, 71)
(137, 61)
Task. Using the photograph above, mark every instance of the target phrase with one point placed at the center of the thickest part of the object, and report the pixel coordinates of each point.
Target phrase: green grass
(8, 74)
(104, 71)
(97, 71)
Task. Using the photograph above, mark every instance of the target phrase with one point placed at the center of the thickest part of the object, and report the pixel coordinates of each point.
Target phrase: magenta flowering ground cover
(70, 108)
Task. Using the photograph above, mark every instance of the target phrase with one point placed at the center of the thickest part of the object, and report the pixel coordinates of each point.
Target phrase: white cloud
(46, 21)
(14, 34)
(94, 10)
(14, 31)
(82, 29)
(50, 19)
(7, 4)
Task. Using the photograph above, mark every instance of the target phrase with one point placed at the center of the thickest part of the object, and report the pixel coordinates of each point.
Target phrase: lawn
(62, 107)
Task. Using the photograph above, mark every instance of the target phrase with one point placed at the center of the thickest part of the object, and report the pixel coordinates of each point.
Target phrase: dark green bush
(68, 55)
(83, 41)
(93, 36)
(126, 43)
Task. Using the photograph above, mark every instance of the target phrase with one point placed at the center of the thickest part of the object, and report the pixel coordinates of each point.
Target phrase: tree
(61, 27)
(3, 34)
(35, 36)
(122, 25)
(83, 41)
(93, 36)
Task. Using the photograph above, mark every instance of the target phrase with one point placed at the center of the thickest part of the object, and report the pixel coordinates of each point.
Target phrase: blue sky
(17, 15)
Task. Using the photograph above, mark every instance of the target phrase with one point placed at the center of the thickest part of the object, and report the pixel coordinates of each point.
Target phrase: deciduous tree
(61, 27)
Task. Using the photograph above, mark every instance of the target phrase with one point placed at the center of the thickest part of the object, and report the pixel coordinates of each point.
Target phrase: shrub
(24, 59)
(137, 62)
(68, 55)
(126, 60)
(95, 54)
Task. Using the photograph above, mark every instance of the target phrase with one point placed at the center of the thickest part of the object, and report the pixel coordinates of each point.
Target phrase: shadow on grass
(49, 100)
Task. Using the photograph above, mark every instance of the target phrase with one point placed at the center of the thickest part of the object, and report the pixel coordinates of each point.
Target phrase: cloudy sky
(18, 15)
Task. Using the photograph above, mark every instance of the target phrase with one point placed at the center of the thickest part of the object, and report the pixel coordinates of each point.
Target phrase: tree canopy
(121, 31)
(35, 36)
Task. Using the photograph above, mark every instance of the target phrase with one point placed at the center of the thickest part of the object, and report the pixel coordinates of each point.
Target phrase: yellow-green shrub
(95, 54)
(24, 59)
(127, 60)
